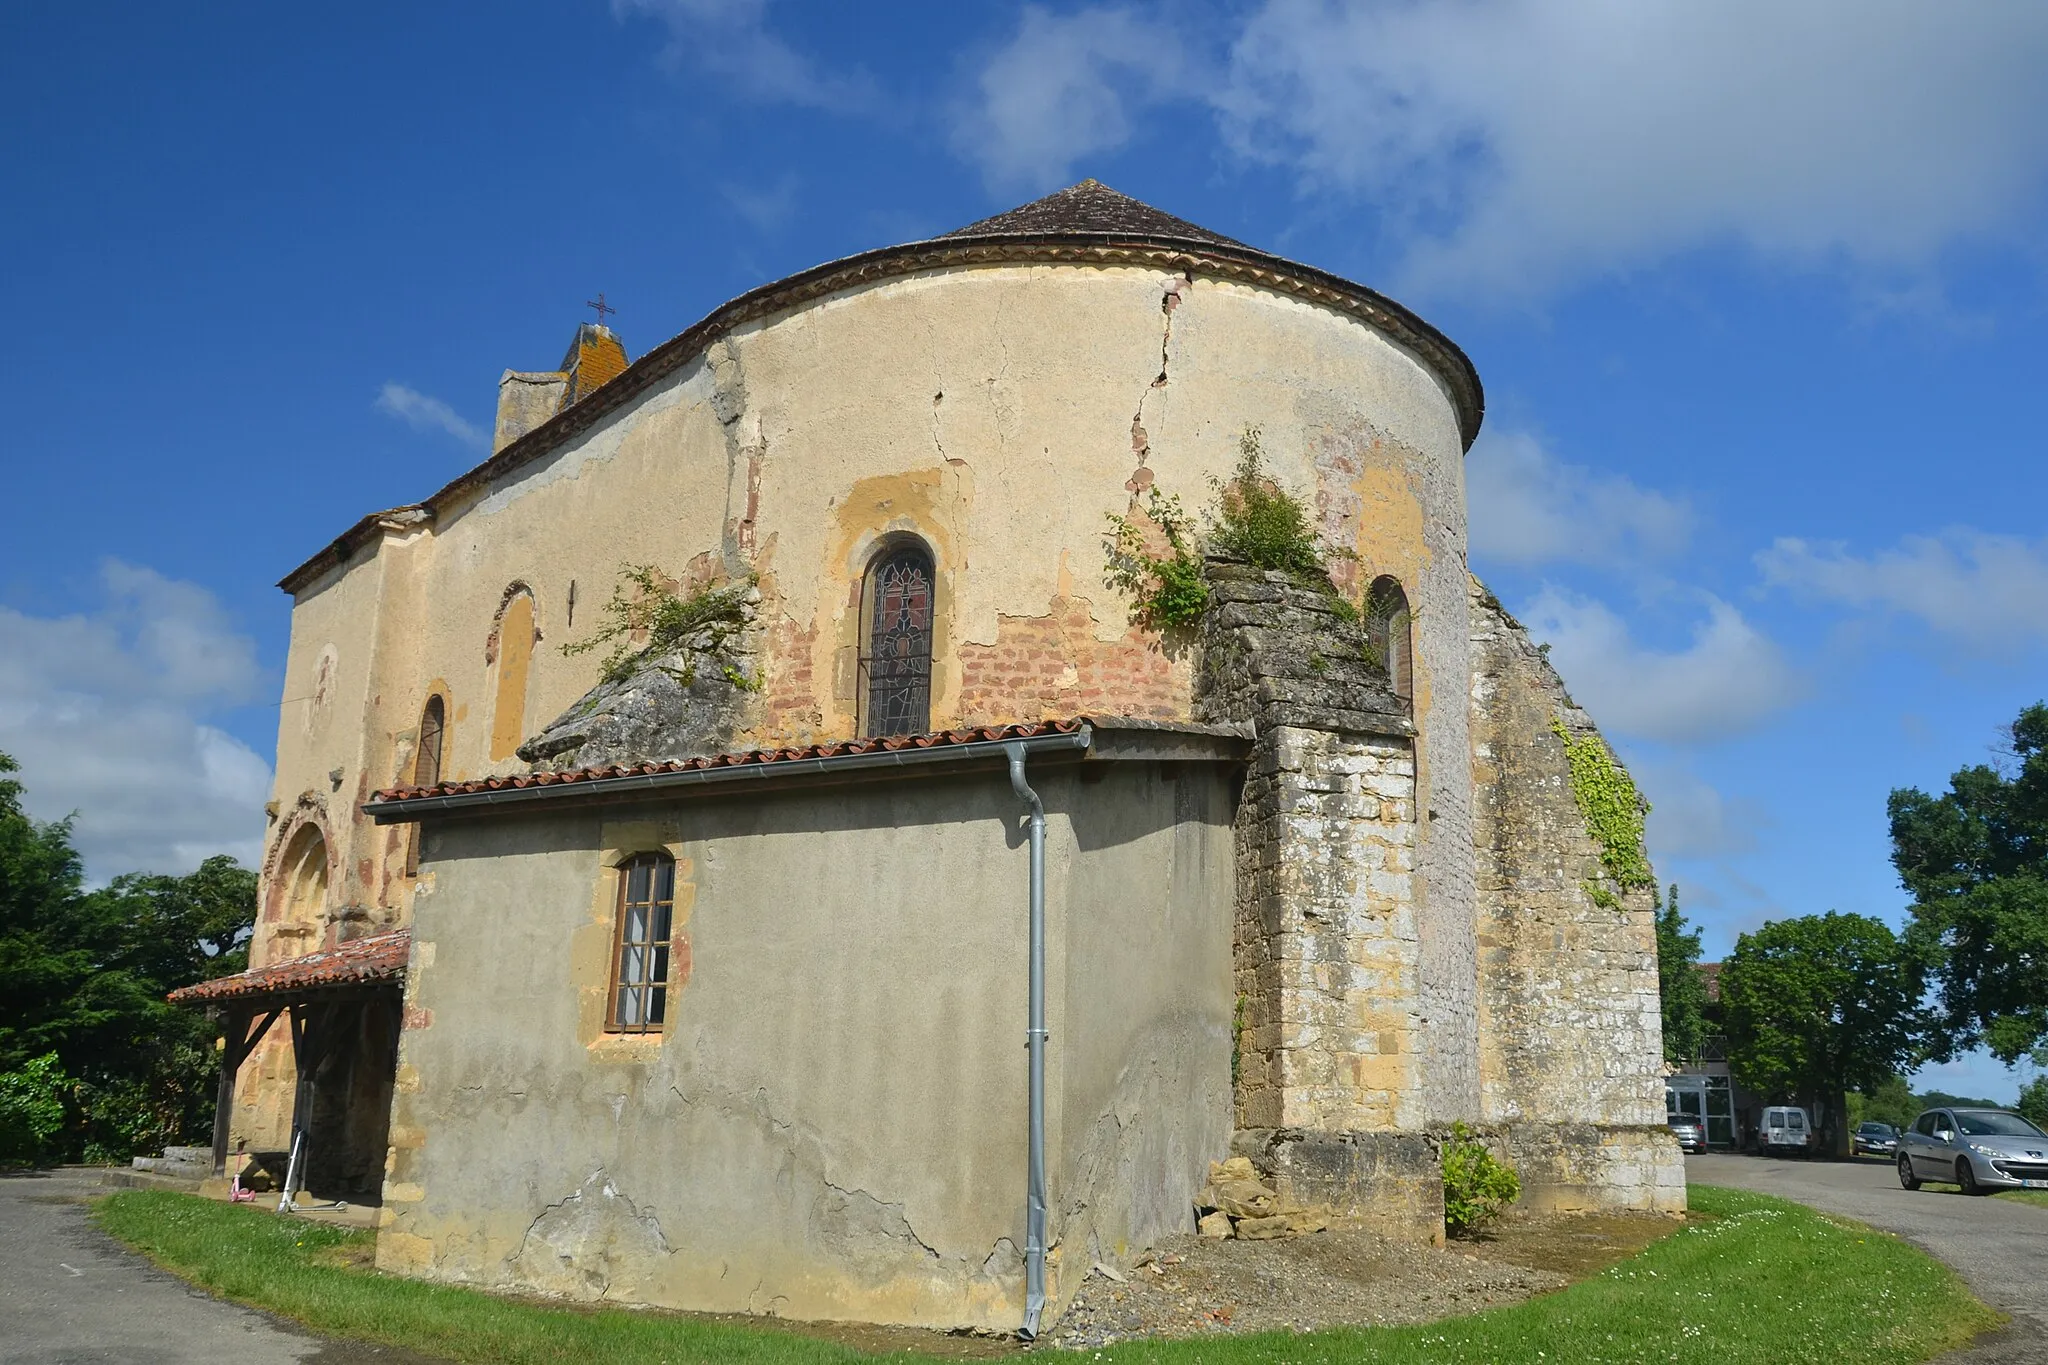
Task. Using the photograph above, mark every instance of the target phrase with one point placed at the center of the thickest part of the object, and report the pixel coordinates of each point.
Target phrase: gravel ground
(1197, 1285)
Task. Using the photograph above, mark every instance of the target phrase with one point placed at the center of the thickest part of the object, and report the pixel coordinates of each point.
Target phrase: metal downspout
(1034, 1206)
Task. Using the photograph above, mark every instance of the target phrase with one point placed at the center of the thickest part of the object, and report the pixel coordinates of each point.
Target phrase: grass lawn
(2039, 1197)
(1753, 1278)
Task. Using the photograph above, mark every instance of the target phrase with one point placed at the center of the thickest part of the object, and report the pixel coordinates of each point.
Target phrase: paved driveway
(2000, 1248)
(71, 1296)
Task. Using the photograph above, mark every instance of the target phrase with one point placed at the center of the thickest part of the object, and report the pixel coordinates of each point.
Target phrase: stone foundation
(1388, 1183)
(1582, 1167)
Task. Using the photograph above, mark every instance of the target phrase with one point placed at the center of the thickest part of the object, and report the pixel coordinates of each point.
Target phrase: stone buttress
(1571, 1042)
(1330, 1072)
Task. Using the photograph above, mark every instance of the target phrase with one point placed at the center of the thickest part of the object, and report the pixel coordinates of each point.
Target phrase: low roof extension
(1088, 737)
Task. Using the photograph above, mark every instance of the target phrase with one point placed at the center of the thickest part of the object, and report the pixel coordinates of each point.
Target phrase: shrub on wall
(1478, 1186)
(646, 618)
(1252, 518)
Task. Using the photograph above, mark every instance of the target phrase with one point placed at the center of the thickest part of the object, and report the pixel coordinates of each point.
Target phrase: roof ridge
(1089, 208)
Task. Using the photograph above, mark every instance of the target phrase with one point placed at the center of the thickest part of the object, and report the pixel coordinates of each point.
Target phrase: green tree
(1975, 861)
(83, 975)
(2034, 1100)
(1820, 1005)
(1678, 981)
(1889, 1101)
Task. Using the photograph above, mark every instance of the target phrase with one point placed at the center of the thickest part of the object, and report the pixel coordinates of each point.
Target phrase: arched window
(896, 658)
(647, 893)
(511, 648)
(1388, 634)
(298, 896)
(426, 768)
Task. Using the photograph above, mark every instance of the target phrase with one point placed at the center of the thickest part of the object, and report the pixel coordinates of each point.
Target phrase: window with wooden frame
(639, 997)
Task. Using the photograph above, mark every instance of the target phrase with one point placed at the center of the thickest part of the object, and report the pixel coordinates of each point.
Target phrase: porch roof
(367, 961)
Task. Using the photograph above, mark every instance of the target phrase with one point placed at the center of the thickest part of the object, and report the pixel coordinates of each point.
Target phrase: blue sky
(1757, 291)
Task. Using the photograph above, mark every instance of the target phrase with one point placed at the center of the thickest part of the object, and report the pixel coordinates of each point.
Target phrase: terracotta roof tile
(362, 961)
(982, 734)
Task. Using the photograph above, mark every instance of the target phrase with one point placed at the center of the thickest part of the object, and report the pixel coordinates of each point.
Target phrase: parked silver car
(1691, 1134)
(1980, 1149)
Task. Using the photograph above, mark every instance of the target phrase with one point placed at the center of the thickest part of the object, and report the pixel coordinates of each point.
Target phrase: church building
(741, 847)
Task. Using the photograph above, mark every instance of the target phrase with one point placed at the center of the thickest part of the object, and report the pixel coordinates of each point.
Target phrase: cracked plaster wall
(1000, 412)
(833, 1124)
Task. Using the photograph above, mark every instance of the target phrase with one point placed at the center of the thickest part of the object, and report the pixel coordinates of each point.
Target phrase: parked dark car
(1874, 1139)
(1979, 1149)
(1691, 1136)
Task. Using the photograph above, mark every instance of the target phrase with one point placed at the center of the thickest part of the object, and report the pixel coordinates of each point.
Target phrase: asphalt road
(69, 1295)
(1999, 1247)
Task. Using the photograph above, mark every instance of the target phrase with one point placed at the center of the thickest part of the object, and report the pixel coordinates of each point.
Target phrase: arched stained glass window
(896, 662)
(1387, 630)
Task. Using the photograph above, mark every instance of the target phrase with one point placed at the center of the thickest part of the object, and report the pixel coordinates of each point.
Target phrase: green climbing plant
(646, 618)
(1614, 811)
(1250, 517)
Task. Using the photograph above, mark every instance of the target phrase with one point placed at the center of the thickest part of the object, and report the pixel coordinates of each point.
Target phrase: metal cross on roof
(601, 306)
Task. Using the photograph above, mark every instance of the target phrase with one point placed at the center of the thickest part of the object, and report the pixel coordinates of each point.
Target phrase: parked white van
(1785, 1131)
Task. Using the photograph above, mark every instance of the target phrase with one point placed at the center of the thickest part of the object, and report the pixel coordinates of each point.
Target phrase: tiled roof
(984, 734)
(362, 961)
(1092, 208)
(1710, 976)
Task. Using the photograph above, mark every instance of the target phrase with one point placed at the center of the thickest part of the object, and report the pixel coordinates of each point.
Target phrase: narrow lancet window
(896, 666)
(426, 769)
(647, 888)
(1388, 633)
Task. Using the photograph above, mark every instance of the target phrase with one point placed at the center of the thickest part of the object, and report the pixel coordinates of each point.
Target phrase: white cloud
(1061, 89)
(1730, 678)
(730, 39)
(104, 712)
(1528, 141)
(765, 209)
(1989, 591)
(1528, 507)
(1690, 818)
(1513, 146)
(422, 413)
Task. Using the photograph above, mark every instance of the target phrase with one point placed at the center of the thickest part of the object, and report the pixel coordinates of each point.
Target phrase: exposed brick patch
(1053, 665)
(789, 712)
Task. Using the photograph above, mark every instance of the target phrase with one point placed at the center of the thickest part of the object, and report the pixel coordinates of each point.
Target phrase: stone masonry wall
(1330, 1085)
(1571, 1047)
(1325, 938)
(1326, 941)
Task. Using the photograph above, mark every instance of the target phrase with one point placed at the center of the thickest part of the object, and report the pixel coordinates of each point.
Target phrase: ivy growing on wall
(1614, 812)
(646, 618)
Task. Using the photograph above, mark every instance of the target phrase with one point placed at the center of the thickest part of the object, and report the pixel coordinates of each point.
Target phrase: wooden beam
(237, 1042)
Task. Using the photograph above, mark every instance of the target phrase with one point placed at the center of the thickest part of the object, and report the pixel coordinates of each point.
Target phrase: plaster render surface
(1000, 412)
(832, 1125)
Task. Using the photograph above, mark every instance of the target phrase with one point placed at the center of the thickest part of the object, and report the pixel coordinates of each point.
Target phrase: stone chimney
(527, 398)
